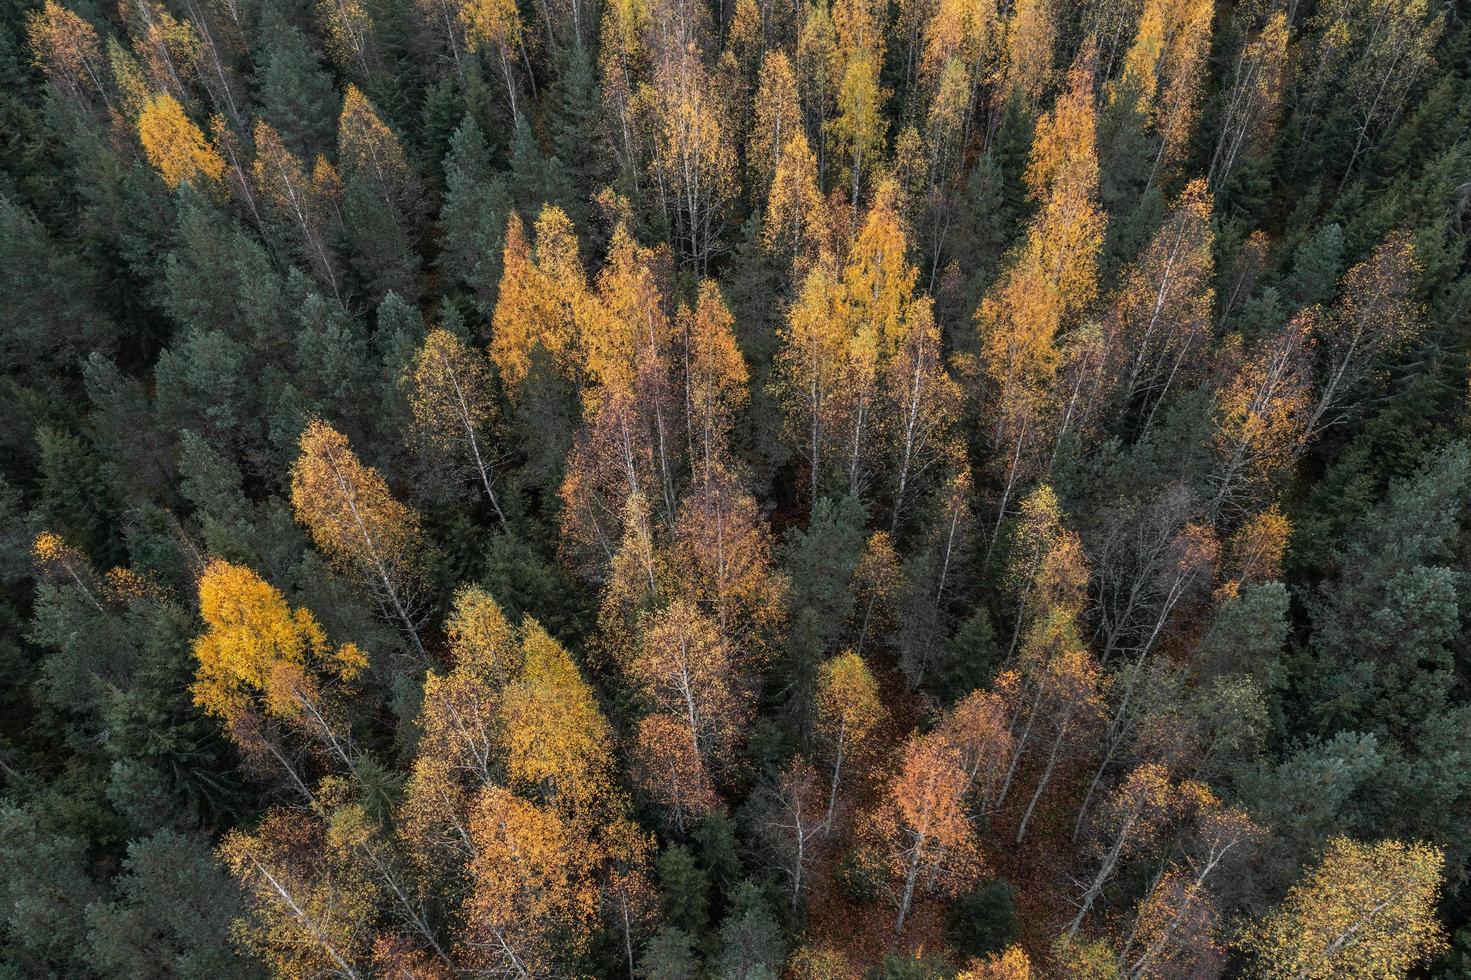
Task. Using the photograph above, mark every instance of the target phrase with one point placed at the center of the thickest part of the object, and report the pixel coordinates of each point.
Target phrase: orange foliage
(919, 834)
(533, 900)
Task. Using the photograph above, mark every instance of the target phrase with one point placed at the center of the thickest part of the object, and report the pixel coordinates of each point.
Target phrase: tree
(1031, 42)
(311, 900)
(714, 380)
(669, 767)
(751, 941)
(859, 131)
(777, 121)
(1375, 316)
(978, 730)
(1038, 535)
(173, 909)
(878, 583)
(1052, 278)
(542, 292)
(796, 223)
(260, 656)
(1188, 565)
(459, 715)
(693, 160)
(451, 402)
(1010, 964)
(1128, 824)
(819, 72)
(1366, 910)
(533, 902)
(368, 150)
(724, 547)
(960, 39)
(630, 441)
(848, 713)
(1071, 685)
(57, 560)
(1177, 924)
(797, 821)
(1159, 325)
(921, 407)
(1376, 51)
(66, 48)
(296, 96)
(474, 216)
(175, 146)
(555, 736)
(919, 834)
(1251, 106)
(308, 204)
(348, 27)
(1164, 71)
(1062, 175)
(353, 517)
(1253, 554)
(686, 670)
(496, 24)
(1263, 410)
(809, 369)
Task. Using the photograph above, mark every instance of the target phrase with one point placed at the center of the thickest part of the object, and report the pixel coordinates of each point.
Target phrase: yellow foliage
(493, 22)
(1010, 964)
(848, 705)
(1366, 911)
(1031, 39)
(794, 201)
(557, 741)
(174, 145)
(366, 146)
(543, 293)
(311, 900)
(533, 899)
(1165, 67)
(778, 119)
(65, 47)
(347, 506)
(481, 639)
(347, 25)
(256, 646)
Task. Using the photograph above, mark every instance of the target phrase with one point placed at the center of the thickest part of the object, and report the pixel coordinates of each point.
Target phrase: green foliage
(671, 953)
(983, 921)
(751, 942)
(684, 890)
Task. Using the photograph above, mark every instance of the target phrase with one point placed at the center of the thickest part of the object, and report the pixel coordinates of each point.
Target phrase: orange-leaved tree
(918, 835)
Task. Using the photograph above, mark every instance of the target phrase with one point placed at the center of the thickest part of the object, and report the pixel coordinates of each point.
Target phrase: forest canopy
(741, 489)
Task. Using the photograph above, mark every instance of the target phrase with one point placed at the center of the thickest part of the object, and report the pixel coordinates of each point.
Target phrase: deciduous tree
(1366, 910)
(356, 521)
(175, 146)
(533, 902)
(848, 713)
(259, 656)
(451, 402)
(312, 902)
(919, 834)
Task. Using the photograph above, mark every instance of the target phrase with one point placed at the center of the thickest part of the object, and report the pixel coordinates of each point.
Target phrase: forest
(735, 489)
